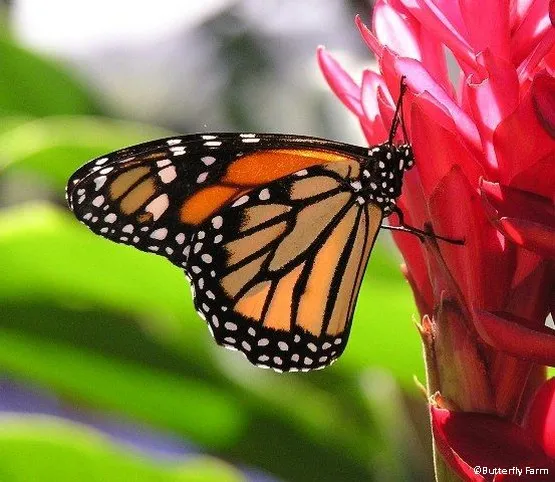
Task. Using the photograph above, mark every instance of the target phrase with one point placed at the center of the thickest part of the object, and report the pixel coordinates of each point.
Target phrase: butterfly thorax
(382, 174)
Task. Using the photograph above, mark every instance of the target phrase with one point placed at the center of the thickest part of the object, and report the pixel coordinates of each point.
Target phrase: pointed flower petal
(543, 99)
(468, 440)
(540, 419)
(528, 220)
(521, 141)
(369, 38)
(534, 26)
(533, 236)
(396, 32)
(419, 80)
(517, 336)
(484, 33)
(435, 20)
(484, 253)
(439, 147)
(492, 99)
(340, 82)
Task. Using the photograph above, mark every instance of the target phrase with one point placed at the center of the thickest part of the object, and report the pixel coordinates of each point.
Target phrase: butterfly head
(383, 173)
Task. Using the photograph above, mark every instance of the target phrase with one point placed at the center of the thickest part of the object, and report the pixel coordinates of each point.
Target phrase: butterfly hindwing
(276, 273)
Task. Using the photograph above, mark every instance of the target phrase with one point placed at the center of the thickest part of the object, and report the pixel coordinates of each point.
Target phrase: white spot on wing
(208, 160)
(99, 181)
(163, 163)
(217, 222)
(241, 200)
(168, 174)
(158, 206)
(159, 234)
(178, 150)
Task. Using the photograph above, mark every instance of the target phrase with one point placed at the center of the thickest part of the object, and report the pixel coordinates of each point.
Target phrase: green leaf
(33, 85)
(46, 254)
(43, 448)
(141, 392)
(54, 147)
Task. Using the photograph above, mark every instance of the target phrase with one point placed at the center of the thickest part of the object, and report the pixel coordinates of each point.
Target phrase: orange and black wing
(268, 228)
(276, 273)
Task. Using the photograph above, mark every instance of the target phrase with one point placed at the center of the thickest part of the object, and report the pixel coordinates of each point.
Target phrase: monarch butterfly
(273, 231)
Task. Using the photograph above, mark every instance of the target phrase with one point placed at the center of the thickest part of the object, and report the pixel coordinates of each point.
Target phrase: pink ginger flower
(484, 145)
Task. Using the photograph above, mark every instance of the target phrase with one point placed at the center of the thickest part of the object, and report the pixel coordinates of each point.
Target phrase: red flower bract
(484, 145)
(475, 443)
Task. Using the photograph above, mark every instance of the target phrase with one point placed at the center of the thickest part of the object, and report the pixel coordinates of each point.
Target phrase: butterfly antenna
(397, 117)
(403, 128)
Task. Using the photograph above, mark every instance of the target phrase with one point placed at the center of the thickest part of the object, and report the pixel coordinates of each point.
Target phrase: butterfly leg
(422, 235)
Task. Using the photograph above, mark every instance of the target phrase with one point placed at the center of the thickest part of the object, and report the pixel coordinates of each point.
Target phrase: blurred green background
(106, 372)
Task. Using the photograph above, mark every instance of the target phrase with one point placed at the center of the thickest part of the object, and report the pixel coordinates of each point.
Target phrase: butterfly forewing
(270, 229)
(153, 195)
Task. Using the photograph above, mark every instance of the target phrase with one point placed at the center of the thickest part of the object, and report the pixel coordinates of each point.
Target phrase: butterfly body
(273, 231)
